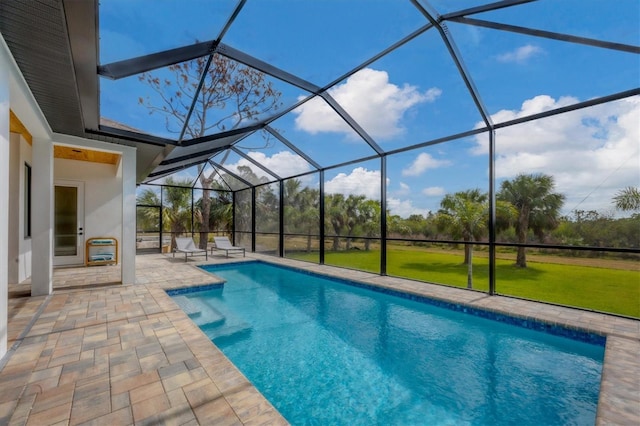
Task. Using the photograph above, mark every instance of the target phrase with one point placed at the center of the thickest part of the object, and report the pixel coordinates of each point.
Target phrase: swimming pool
(325, 352)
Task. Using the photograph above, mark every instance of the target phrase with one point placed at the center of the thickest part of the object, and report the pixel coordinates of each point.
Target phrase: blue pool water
(324, 352)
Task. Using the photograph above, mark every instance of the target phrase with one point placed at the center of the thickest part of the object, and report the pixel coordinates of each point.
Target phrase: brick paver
(125, 354)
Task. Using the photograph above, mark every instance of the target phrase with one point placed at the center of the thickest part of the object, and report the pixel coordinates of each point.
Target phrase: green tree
(292, 209)
(231, 94)
(397, 226)
(628, 199)
(176, 208)
(220, 210)
(354, 218)
(466, 215)
(243, 205)
(148, 218)
(370, 213)
(301, 213)
(310, 218)
(205, 206)
(335, 217)
(267, 208)
(595, 229)
(537, 205)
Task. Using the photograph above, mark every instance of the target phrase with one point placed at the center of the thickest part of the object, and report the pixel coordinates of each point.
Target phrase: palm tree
(221, 209)
(206, 182)
(242, 206)
(335, 217)
(267, 209)
(310, 218)
(628, 199)
(352, 207)
(148, 218)
(301, 210)
(176, 209)
(466, 215)
(292, 211)
(222, 212)
(370, 213)
(537, 205)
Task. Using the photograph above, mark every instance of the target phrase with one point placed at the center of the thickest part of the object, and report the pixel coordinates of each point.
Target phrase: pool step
(210, 320)
(202, 313)
(236, 332)
(188, 305)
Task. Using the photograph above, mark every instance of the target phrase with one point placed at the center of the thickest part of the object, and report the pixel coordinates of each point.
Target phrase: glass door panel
(68, 223)
(65, 220)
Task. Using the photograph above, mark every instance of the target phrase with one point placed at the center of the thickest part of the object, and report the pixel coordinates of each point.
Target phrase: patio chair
(223, 243)
(188, 247)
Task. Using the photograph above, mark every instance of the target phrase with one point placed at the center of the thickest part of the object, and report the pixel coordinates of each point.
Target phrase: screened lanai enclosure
(492, 146)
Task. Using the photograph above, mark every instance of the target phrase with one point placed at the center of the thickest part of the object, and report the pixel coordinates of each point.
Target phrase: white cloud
(591, 153)
(422, 163)
(433, 191)
(372, 101)
(521, 54)
(283, 163)
(404, 208)
(541, 103)
(404, 189)
(359, 182)
(367, 182)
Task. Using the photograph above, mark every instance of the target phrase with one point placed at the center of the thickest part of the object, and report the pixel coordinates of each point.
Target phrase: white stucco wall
(23, 104)
(102, 196)
(110, 203)
(128, 243)
(19, 263)
(13, 210)
(42, 218)
(24, 243)
(4, 193)
(125, 176)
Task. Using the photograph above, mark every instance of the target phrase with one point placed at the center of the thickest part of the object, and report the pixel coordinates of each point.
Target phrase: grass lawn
(601, 289)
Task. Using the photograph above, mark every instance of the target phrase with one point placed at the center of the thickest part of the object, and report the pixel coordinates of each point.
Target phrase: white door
(68, 223)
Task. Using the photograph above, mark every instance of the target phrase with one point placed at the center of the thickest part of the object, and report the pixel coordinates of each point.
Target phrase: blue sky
(415, 93)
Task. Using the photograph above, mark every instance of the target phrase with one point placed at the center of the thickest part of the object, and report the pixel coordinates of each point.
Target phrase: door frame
(79, 257)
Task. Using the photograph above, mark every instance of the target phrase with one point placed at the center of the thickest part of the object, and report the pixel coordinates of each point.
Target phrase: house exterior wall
(13, 210)
(110, 193)
(4, 194)
(19, 245)
(42, 218)
(124, 176)
(24, 243)
(102, 196)
(127, 169)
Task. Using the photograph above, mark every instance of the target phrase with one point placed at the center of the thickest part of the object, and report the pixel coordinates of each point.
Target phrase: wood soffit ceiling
(83, 154)
(16, 126)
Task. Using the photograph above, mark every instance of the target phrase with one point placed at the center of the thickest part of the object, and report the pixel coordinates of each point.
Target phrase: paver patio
(99, 352)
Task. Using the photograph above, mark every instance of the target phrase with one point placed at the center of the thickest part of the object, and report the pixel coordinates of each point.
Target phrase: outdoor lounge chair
(188, 247)
(223, 243)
